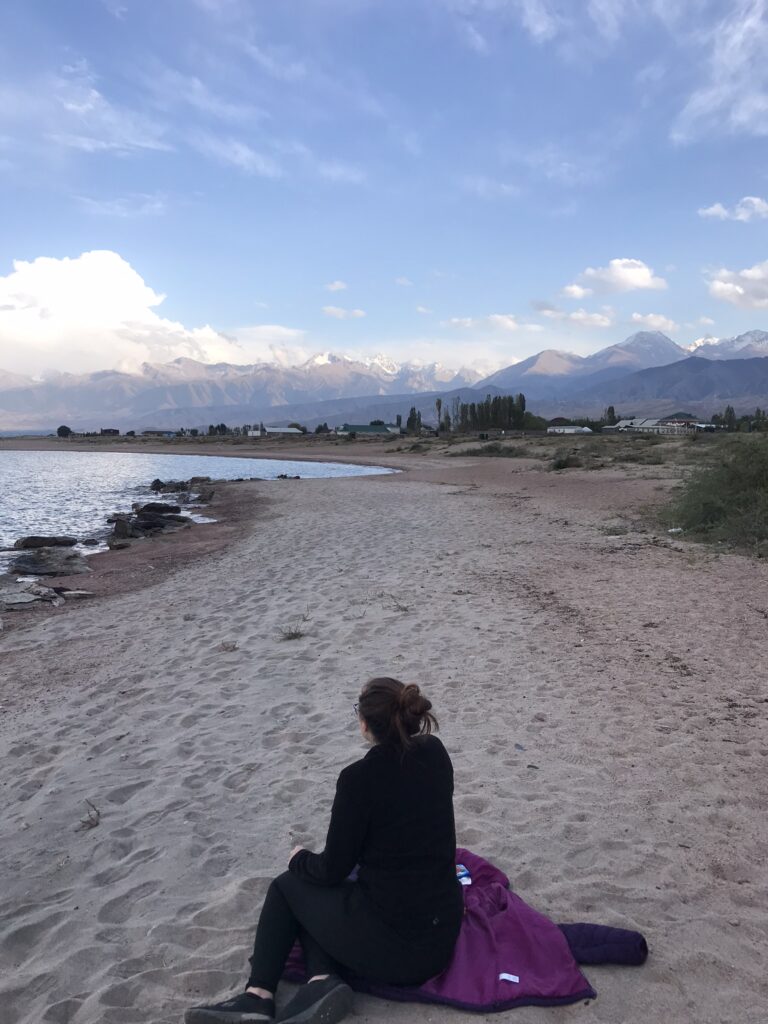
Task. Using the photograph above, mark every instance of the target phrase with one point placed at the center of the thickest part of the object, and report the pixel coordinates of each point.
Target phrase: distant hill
(647, 372)
(187, 392)
(551, 374)
(691, 380)
(703, 385)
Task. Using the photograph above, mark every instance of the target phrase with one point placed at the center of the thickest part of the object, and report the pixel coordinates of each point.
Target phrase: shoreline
(600, 688)
(268, 449)
(237, 509)
(123, 571)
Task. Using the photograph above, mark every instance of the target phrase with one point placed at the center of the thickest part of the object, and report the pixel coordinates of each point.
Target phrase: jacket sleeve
(346, 835)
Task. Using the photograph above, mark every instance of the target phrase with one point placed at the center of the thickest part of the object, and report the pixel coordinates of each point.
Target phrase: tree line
(746, 423)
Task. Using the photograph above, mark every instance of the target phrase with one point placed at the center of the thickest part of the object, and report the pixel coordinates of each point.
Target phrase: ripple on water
(73, 492)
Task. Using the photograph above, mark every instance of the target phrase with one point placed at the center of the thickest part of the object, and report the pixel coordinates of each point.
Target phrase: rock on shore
(49, 561)
(45, 542)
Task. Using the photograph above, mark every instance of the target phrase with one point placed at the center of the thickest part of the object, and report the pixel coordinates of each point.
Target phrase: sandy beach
(600, 686)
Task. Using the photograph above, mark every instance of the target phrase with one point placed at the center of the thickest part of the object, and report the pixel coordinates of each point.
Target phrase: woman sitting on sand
(399, 920)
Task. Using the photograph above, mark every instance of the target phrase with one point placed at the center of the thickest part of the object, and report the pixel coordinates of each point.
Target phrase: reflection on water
(73, 492)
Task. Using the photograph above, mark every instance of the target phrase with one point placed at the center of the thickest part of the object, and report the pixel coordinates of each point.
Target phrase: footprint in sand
(20, 942)
(62, 1012)
(241, 779)
(118, 910)
(473, 804)
(120, 871)
(123, 794)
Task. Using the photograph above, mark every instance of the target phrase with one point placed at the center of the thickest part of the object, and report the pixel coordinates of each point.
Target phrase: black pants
(337, 927)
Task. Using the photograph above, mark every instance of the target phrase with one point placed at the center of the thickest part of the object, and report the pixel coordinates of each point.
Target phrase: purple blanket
(507, 954)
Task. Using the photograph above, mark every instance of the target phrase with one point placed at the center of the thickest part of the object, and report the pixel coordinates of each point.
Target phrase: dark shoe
(238, 1010)
(319, 1002)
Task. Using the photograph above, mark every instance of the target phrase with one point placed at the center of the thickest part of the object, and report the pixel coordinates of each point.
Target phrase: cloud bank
(95, 312)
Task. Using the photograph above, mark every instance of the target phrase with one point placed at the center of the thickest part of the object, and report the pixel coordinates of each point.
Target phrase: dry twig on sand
(92, 820)
(293, 630)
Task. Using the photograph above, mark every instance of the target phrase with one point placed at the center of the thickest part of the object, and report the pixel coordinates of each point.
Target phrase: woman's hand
(294, 851)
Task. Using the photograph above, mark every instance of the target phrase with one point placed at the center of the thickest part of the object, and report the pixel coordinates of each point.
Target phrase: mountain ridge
(186, 392)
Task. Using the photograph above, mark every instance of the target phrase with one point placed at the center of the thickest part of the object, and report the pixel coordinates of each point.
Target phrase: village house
(274, 431)
(368, 429)
(647, 425)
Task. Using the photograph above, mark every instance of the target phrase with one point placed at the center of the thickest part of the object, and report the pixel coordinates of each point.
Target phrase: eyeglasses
(355, 708)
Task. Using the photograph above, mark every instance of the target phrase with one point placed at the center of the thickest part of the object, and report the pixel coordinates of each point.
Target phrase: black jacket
(393, 816)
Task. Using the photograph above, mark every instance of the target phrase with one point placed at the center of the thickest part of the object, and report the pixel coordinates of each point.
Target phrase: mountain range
(642, 375)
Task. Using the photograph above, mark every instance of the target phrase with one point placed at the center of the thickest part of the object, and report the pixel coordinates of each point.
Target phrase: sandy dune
(603, 698)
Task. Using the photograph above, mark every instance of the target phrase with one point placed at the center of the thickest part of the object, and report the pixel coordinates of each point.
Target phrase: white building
(646, 425)
(569, 429)
(274, 431)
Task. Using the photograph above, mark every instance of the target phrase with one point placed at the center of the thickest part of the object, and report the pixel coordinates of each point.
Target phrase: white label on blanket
(509, 977)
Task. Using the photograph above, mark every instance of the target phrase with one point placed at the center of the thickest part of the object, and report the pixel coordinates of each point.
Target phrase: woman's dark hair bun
(396, 713)
(413, 701)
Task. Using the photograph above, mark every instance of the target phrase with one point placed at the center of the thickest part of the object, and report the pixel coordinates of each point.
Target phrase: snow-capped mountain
(335, 387)
(744, 346)
(639, 352)
(552, 370)
(121, 398)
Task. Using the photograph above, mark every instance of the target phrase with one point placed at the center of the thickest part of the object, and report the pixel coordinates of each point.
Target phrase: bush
(495, 449)
(727, 501)
(566, 460)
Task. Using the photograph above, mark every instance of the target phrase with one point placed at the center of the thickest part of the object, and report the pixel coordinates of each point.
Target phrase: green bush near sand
(727, 500)
(566, 460)
(494, 449)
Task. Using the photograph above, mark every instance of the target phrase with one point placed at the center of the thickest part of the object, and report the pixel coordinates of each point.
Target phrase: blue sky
(467, 181)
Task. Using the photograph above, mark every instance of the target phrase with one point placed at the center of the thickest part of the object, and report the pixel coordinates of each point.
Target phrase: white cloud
(116, 9)
(337, 171)
(717, 210)
(576, 291)
(462, 321)
(655, 322)
(338, 313)
(734, 98)
(705, 321)
(557, 164)
(277, 62)
(272, 343)
(235, 153)
(539, 19)
(621, 275)
(607, 16)
(502, 322)
(746, 288)
(424, 310)
(94, 312)
(748, 208)
(71, 111)
(489, 188)
(169, 87)
(580, 317)
(404, 282)
(125, 207)
(474, 38)
(340, 171)
(337, 286)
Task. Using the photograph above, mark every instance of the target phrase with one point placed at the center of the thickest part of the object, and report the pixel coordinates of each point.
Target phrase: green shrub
(565, 460)
(728, 499)
(495, 449)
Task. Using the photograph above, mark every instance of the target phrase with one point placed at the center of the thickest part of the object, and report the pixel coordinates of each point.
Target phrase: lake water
(73, 492)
